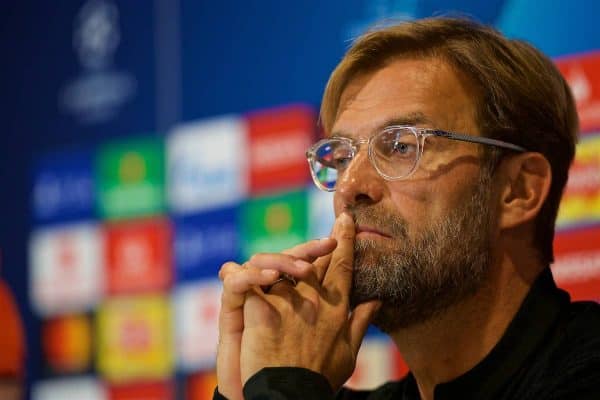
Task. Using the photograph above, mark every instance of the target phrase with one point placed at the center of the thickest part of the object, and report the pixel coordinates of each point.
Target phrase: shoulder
(580, 328)
(575, 363)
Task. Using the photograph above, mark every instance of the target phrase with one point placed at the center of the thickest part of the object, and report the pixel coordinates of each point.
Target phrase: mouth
(363, 231)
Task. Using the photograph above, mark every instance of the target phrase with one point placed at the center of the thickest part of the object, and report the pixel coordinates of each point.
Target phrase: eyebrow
(412, 119)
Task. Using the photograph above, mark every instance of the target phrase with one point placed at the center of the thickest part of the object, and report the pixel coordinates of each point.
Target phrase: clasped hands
(309, 325)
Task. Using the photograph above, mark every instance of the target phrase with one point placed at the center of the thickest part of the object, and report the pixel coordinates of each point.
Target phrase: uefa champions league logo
(99, 91)
(97, 34)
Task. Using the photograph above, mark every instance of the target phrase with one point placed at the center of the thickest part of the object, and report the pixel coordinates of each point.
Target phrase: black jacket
(551, 350)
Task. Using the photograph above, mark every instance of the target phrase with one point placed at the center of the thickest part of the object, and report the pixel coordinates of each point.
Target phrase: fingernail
(303, 265)
(269, 273)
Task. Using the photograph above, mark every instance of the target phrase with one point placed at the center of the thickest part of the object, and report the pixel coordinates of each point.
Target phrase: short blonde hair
(522, 97)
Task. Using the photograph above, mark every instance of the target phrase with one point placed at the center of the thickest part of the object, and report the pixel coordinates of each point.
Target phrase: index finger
(313, 249)
(339, 274)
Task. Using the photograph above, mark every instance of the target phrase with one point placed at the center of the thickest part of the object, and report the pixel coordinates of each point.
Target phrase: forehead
(423, 92)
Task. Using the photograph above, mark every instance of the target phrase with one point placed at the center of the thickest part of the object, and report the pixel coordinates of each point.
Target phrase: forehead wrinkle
(416, 118)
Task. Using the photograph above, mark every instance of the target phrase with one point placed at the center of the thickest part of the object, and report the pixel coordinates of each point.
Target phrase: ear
(527, 179)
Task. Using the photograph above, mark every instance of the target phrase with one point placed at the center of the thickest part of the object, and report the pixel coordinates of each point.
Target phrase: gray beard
(419, 278)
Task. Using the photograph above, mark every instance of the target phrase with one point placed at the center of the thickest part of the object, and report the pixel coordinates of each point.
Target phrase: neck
(452, 343)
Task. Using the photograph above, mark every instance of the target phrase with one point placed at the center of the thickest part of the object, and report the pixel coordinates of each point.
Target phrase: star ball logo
(99, 91)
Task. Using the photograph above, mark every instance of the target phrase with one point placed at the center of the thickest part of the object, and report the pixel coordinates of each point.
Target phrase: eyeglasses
(394, 152)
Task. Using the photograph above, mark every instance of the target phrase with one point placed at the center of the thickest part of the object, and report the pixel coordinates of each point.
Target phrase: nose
(359, 184)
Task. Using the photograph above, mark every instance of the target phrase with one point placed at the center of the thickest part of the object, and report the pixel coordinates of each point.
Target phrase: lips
(367, 230)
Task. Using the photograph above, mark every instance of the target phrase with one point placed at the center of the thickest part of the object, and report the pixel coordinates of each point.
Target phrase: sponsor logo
(278, 140)
(582, 74)
(67, 343)
(67, 272)
(138, 255)
(197, 307)
(581, 200)
(63, 188)
(100, 91)
(131, 178)
(206, 163)
(203, 242)
(84, 388)
(134, 338)
(274, 223)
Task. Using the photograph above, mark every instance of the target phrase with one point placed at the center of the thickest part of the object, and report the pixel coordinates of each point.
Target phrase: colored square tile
(197, 307)
(130, 178)
(67, 268)
(274, 223)
(138, 254)
(134, 338)
(277, 141)
(63, 187)
(206, 163)
(204, 241)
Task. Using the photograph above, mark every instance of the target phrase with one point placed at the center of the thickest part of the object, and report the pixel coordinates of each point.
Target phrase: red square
(278, 140)
(142, 391)
(577, 262)
(138, 256)
(582, 72)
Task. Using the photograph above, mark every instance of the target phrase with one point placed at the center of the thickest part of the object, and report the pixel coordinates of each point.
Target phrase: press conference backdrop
(149, 142)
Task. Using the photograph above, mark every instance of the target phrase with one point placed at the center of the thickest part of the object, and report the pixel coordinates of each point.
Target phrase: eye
(340, 160)
(399, 149)
(402, 148)
(336, 155)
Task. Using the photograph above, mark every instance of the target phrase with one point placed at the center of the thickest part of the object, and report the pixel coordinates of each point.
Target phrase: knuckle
(227, 269)
(347, 235)
(343, 264)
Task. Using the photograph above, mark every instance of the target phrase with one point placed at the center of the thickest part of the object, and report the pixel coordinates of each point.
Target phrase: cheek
(416, 203)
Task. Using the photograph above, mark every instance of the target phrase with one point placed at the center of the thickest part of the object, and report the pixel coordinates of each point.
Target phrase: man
(448, 148)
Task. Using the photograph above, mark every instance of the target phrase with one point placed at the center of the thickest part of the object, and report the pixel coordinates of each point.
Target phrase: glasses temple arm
(478, 139)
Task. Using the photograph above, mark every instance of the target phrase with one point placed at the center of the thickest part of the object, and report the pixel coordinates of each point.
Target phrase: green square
(131, 178)
(274, 223)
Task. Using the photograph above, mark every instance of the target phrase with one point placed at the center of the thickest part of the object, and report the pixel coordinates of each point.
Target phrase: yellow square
(134, 338)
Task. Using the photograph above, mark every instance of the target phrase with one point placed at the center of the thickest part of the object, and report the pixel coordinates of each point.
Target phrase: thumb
(361, 316)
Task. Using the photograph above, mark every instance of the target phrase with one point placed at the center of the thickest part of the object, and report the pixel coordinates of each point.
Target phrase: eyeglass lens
(394, 153)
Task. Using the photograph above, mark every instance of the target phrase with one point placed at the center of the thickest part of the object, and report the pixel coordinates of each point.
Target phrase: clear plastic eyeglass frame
(420, 135)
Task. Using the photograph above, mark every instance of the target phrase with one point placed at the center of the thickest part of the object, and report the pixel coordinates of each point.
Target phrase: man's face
(422, 243)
